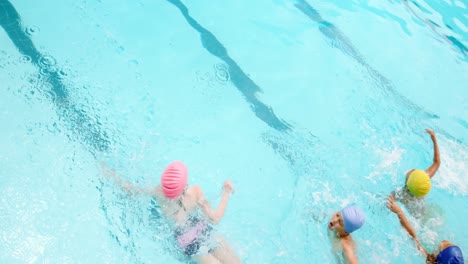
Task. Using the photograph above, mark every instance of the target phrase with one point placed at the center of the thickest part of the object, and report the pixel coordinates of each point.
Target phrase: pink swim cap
(174, 179)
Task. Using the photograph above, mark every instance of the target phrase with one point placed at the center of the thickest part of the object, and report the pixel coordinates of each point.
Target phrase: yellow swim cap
(419, 183)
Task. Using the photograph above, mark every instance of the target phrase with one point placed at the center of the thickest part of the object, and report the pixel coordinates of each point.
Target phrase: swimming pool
(307, 106)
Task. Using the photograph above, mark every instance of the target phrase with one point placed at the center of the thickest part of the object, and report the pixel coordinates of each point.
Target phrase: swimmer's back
(178, 210)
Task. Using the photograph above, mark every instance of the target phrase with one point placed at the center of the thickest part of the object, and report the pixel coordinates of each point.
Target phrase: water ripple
(25, 59)
(32, 30)
(47, 61)
(222, 72)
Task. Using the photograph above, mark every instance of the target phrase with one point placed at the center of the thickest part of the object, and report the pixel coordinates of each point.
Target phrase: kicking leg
(224, 253)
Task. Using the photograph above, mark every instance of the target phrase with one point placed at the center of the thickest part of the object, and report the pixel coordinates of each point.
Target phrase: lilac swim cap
(174, 179)
(353, 218)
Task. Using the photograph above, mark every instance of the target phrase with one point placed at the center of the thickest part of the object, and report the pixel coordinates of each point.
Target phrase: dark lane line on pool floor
(88, 132)
(284, 146)
(78, 122)
(338, 40)
(243, 83)
(451, 40)
(293, 148)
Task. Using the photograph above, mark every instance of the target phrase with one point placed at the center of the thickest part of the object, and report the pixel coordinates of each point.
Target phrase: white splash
(453, 172)
(460, 4)
(389, 160)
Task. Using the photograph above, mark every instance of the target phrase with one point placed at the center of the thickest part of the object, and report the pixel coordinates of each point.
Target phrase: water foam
(452, 175)
(389, 160)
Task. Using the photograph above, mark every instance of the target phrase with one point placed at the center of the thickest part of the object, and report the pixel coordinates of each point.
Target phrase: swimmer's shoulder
(195, 191)
(347, 241)
(349, 249)
(158, 190)
(334, 241)
(157, 193)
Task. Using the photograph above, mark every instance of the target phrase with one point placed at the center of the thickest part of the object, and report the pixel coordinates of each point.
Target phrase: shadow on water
(295, 148)
(86, 129)
(238, 77)
(288, 143)
(338, 40)
(450, 39)
(82, 127)
(445, 11)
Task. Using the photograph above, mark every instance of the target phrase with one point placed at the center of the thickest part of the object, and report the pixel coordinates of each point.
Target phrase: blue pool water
(306, 105)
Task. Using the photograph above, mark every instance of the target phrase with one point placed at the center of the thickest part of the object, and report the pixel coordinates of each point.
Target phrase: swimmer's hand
(227, 187)
(431, 132)
(393, 206)
(431, 258)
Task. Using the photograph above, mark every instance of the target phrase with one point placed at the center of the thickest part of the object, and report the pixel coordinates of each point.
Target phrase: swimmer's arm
(348, 250)
(137, 190)
(127, 186)
(214, 216)
(395, 208)
(409, 228)
(431, 171)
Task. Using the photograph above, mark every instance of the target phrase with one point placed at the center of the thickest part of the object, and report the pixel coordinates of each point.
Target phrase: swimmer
(418, 183)
(342, 224)
(189, 213)
(447, 252)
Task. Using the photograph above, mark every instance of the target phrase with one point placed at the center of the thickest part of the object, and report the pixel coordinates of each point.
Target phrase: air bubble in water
(33, 30)
(25, 59)
(47, 61)
(222, 72)
(44, 71)
(133, 63)
(64, 72)
(47, 64)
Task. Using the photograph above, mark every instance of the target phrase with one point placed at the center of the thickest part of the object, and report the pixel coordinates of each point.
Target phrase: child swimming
(418, 183)
(447, 252)
(342, 224)
(190, 214)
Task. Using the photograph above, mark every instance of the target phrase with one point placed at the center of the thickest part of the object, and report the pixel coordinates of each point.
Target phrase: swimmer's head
(348, 220)
(418, 183)
(448, 254)
(174, 179)
(337, 224)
